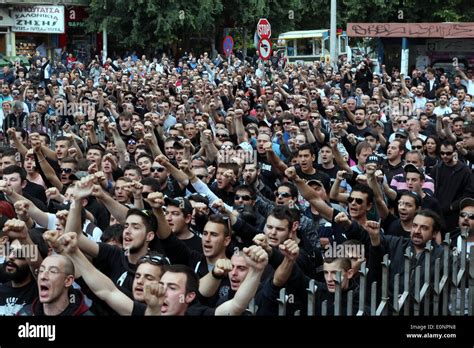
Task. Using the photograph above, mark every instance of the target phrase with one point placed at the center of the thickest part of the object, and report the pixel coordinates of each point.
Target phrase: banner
(38, 19)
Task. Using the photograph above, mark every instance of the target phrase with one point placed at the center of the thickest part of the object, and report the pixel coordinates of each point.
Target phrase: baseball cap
(402, 132)
(373, 159)
(411, 168)
(466, 202)
(181, 203)
(245, 146)
(326, 187)
(371, 133)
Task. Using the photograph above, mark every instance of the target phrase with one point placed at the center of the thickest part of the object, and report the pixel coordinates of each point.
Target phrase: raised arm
(382, 208)
(310, 195)
(39, 216)
(101, 285)
(257, 259)
(82, 190)
(209, 284)
(290, 251)
(44, 164)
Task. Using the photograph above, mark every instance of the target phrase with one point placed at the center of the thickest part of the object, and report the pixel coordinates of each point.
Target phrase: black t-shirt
(194, 243)
(318, 175)
(12, 300)
(431, 203)
(358, 132)
(392, 226)
(113, 263)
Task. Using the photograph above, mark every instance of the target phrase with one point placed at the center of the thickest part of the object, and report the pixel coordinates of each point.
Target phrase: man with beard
(465, 223)
(426, 227)
(23, 255)
(443, 108)
(251, 177)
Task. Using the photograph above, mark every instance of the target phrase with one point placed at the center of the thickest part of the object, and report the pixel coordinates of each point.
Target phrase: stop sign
(264, 29)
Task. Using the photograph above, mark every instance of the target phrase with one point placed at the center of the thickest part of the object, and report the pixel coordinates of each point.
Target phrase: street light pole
(332, 38)
(104, 37)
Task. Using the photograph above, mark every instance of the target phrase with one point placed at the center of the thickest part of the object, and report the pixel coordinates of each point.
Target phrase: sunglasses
(155, 260)
(403, 121)
(200, 177)
(449, 153)
(157, 169)
(132, 142)
(283, 194)
(398, 136)
(465, 214)
(287, 123)
(66, 170)
(417, 147)
(244, 198)
(359, 201)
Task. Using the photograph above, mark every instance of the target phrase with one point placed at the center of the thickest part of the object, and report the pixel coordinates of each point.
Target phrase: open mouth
(10, 267)
(207, 248)
(44, 289)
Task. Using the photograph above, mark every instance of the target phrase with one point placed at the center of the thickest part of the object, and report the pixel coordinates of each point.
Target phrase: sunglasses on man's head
(359, 201)
(158, 260)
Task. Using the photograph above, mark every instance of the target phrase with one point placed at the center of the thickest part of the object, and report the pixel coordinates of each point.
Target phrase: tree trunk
(244, 48)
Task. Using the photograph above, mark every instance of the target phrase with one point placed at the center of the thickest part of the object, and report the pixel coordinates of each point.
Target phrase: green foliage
(151, 24)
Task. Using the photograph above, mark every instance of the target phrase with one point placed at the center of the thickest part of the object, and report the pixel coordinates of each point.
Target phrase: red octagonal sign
(264, 29)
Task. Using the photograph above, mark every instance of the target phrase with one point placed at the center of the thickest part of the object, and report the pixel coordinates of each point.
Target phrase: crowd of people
(142, 186)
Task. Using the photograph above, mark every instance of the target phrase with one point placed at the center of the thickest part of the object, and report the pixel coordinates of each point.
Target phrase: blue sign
(228, 45)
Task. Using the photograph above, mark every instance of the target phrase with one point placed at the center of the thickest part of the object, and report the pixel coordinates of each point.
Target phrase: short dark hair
(248, 188)
(468, 128)
(96, 147)
(447, 142)
(365, 189)
(15, 169)
(61, 138)
(112, 232)
(132, 166)
(437, 221)
(292, 187)
(219, 219)
(144, 155)
(152, 182)
(306, 147)
(148, 218)
(192, 280)
(282, 212)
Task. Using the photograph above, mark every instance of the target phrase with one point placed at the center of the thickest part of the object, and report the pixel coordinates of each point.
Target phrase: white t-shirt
(96, 232)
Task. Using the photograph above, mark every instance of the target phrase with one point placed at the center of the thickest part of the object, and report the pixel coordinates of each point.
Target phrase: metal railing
(447, 287)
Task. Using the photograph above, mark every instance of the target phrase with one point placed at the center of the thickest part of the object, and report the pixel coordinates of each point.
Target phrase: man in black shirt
(179, 214)
(21, 289)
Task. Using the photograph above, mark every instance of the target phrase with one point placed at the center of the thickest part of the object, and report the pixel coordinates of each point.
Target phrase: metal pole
(405, 55)
(332, 41)
(104, 37)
